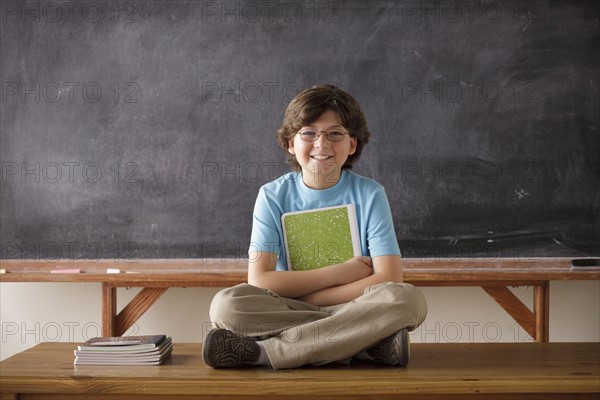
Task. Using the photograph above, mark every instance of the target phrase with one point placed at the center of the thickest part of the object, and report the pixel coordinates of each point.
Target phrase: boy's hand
(356, 268)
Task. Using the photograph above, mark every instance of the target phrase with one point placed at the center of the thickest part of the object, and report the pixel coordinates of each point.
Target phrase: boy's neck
(321, 181)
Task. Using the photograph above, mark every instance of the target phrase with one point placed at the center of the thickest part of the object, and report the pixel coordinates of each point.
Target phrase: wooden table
(436, 371)
(155, 276)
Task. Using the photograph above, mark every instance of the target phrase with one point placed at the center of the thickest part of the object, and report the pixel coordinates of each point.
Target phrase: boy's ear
(353, 144)
(291, 148)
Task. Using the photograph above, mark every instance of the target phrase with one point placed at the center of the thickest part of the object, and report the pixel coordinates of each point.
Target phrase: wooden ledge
(218, 273)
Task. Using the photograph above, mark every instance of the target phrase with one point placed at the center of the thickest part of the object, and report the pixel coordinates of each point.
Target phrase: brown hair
(310, 104)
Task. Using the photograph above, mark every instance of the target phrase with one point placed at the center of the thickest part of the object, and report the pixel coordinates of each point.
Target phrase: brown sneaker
(225, 349)
(393, 350)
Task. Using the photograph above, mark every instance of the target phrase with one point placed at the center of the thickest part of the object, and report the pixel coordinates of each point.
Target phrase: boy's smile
(322, 160)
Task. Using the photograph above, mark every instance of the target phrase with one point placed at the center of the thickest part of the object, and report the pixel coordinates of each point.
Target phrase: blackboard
(143, 129)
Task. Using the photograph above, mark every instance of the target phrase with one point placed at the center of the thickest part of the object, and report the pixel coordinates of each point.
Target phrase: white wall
(31, 313)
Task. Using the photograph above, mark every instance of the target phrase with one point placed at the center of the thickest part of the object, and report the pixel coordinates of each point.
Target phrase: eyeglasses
(312, 135)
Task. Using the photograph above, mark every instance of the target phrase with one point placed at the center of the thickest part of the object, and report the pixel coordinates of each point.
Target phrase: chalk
(65, 271)
(2, 271)
(113, 271)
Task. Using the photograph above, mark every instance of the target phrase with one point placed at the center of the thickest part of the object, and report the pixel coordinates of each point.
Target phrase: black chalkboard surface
(143, 129)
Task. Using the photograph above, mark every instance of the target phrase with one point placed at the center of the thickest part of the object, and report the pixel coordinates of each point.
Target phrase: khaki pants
(296, 333)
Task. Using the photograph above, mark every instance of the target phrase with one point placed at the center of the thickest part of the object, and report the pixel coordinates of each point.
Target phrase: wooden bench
(436, 371)
(155, 276)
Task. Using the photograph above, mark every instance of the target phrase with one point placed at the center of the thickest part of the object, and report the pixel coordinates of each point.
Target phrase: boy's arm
(295, 284)
(385, 269)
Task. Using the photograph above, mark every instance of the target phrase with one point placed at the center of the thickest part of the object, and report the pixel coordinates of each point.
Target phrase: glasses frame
(319, 133)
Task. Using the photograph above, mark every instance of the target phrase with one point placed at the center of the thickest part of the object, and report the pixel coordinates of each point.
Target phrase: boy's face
(322, 160)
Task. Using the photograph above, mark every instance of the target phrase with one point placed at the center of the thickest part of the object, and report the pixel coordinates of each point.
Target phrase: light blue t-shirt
(289, 193)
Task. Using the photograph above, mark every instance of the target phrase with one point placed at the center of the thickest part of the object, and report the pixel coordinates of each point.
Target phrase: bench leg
(541, 308)
(535, 322)
(109, 310)
(114, 324)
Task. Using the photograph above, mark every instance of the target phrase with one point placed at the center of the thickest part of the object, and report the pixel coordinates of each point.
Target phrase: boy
(360, 308)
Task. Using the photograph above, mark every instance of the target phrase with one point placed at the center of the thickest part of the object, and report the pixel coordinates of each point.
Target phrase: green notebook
(320, 237)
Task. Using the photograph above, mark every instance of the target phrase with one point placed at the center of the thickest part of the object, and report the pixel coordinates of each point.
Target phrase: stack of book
(128, 350)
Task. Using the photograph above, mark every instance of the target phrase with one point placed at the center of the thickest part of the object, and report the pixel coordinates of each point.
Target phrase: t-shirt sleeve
(381, 236)
(265, 235)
